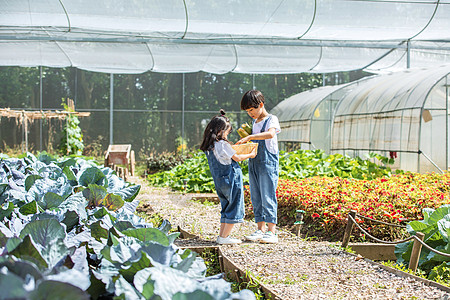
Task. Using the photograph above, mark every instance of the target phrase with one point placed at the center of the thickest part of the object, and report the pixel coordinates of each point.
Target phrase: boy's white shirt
(223, 152)
(271, 144)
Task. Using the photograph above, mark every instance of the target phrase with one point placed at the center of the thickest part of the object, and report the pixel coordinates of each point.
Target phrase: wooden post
(415, 253)
(25, 119)
(348, 229)
(132, 163)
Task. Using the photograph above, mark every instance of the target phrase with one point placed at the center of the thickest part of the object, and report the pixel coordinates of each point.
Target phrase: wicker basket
(245, 148)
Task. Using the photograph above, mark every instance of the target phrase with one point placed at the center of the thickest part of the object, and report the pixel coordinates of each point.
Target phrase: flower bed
(327, 201)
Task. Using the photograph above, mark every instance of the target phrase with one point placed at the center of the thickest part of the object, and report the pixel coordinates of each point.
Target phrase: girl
(262, 170)
(227, 174)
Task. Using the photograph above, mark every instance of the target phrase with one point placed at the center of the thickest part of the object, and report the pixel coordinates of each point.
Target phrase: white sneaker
(269, 238)
(228, 240)
(255, 236)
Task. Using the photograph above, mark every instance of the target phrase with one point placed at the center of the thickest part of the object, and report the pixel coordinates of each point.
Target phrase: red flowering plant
(327, 202)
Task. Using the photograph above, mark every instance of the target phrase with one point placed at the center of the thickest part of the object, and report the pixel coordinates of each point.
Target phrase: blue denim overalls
(263, 173)
(229, 188)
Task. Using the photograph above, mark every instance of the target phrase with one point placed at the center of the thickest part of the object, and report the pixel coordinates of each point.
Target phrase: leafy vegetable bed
(68, 231)
(436, 228)
(194, 176)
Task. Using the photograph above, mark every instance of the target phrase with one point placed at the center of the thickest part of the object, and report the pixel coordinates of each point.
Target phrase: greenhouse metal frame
(218, 37)
(260, 37)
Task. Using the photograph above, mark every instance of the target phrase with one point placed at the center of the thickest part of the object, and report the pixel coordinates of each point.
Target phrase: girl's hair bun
(222, 112)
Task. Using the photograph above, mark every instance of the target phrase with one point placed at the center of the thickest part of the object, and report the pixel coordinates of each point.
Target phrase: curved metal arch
(151, 55)
(67, 15)
(318, 60)
(236, 57)
(312, 21)
(393, 64)
(419, 140)
(406, 41)
(429, 21)
(331, 113)
(187, 19)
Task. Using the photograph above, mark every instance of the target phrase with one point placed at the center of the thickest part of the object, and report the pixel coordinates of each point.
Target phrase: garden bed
(295, 267)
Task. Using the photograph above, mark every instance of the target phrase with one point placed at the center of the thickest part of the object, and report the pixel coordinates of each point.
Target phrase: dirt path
(293, 268)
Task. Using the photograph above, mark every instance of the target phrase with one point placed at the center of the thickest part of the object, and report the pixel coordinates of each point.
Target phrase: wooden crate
(121, 155)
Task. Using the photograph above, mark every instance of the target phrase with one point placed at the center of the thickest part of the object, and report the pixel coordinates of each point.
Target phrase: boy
(263, 169)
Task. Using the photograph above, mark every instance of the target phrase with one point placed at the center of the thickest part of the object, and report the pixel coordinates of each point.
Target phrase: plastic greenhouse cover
(396, 91)
(386, 112)
(301, 107)
(297, 112)
(255, 36)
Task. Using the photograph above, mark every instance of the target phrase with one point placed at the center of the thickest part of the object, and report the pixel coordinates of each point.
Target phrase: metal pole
(431, 161)
(76, 89)
(40, 108)
(323, 79)
(408, 55)
(446, 121)
(253, 81)
(182, 115)
(25, 119)
(111, 108)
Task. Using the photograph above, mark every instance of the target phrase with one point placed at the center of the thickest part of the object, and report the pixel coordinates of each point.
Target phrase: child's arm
(241, 157)
(258, 136)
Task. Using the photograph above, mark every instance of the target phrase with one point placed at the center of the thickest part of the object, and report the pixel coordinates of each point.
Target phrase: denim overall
(229, 188)
(263, 173)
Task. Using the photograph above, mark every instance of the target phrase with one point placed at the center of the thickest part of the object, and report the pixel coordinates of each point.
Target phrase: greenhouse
(155, 69)
(306, 118)
(106, 194)
(401, 115)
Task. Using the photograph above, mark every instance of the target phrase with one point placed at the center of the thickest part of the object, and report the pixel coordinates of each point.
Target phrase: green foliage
(150, 91)
(441, 274)
(211, 258)
(250, 281)
(164, 161)
(72, 138)
(309, 163)
(69, 219)
(436, 227)
(194, 175)
(191, 176)
(404, 268)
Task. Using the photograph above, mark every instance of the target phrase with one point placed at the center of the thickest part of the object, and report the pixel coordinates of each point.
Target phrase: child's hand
(243, 140)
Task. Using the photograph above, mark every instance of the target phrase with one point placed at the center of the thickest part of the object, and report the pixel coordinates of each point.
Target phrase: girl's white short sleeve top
(223, 152)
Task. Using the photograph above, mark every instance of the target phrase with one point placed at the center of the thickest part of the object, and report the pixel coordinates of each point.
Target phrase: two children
(263, 170)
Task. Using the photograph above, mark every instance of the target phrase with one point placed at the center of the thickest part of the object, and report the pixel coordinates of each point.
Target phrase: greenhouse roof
(301, 107)
(258, 36)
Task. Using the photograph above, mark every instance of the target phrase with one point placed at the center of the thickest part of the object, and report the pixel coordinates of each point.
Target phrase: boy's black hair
(214, 131)
(251, 99)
